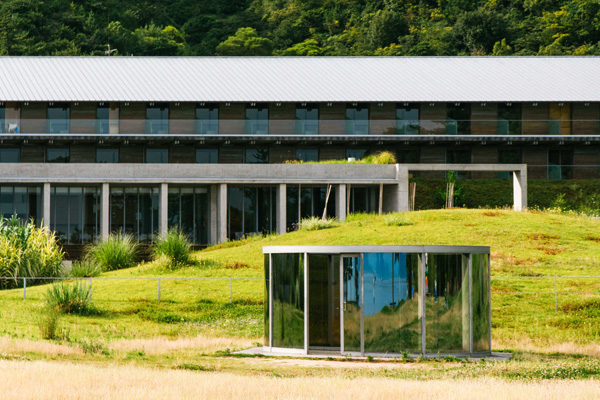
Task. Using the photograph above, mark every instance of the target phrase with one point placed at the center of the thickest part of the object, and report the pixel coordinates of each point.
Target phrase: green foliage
(395, 220)
(49, 325)
(70, 298)
(117, 251)
(27, 251)
(85, 268)
(245, 42)
(316, 223)
(174, 248)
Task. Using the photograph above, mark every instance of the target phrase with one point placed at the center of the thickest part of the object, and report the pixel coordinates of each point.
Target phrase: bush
(395, 220)
(316, 223)
(70, 298)
(85, 269)
(383, 157)
(117, 251)
(49, 324)
(27, 251)
(174, 247)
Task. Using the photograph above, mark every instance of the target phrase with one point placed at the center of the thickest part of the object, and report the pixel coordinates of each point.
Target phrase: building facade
(63, 119)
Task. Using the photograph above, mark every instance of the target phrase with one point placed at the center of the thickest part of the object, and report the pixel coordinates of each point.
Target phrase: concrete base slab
(495, 356)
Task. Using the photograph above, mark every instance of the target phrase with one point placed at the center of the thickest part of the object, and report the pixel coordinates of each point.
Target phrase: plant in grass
(27, 251)
(85, 268)
(70, 298)
(395, 220)
(173, 250)
(316, 223)
(117, 251)
(49, 325)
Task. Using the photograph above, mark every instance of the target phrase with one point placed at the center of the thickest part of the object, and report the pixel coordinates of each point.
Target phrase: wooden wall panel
(383, 119)
(432, 155)
(332, 119)
(231, 155)
(536, 158)
(32, 153)
(182, 154)
(132, 118)
(83, 118)
(281, 154)
(587, 162)
(82, 153)
(586, 119)
(182, 119)
(231, 118)
(433, 118)
(484, 119)
(131, 154)
(33, 118)
(561, 112)
(282, 118)
(484, 155)
(535, 119)
(331, 153)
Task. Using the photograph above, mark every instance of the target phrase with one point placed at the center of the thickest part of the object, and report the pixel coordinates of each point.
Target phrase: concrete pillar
(520, 189)
(340, 202)
(222, 213)
(281, 208)
(214, 234)
(113, 119)
(403, 198)
(163, 209)
(46, 207)
(105, 212)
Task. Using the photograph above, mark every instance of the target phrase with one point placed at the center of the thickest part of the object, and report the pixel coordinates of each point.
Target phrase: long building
(81, 137)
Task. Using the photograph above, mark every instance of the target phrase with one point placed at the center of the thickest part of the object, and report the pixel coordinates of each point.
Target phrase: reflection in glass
(134, 211)
(446, 303)
(189, 212)
(157, 119)
(256, 156)
(266, 302)
(207, 156)
(157, 156)
(509, 119)
(75, 213)
(307, 155)
(458, 119)
(364, 199)
(10, 155)
(307, 119)
(22, 201)
(58, 118)
(57, 154)
(207, 119)
(102, 119)
(357, 119)
(251, 211)
(257, 119)
(324, 304)
(481, 302)
(351, 302)
(308, 201)
(107, 156)
(407, 119)
(391, 303)
(288, 300)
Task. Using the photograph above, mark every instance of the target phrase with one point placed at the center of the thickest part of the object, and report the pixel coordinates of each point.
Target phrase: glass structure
(107, 156)
(458, 119)
(75, 213)
(157, 119)
(207, 156)
(362, 300)
(23, 201)
(57, 154)
(257, 119)
(307, 119)
(102, 119)
(252, 211)
(189, 212)
(134, 210)
(407, 119)
(305, 201)
(58, 120)
(207, 119)
(357, 119)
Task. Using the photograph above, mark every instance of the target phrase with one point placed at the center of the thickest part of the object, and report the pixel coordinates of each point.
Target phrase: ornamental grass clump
(395, 220)
(27, 251)
(316, 223)
(117, 251)
(70, 298)
(85, 268)
(173, 250)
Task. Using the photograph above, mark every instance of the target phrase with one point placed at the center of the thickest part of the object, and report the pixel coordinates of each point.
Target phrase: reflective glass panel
(207, 156)
(509, 119)
(157, 119)
(357, 119)
(134, 211)
(481, 302)
(108, 156)
(307, 119)
(266, 302)
(391, 304)
(10, 155)
(256, 156)
(157, 156)
(57, 155)
(324, 300)
(207, 119)
(102, 119)
(58, 118)
(351, 303)
(288, 300)
(356, 153)
(458, 118)
(307, 155)
(446, 303)
(407, 119)
(257, 119)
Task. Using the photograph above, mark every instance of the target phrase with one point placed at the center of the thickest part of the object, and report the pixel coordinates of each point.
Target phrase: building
(99, 144)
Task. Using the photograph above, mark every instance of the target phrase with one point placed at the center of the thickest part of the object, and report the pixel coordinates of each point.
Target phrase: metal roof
(300, 79)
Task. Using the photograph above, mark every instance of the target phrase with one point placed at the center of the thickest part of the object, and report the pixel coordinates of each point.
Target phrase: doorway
(324, 302)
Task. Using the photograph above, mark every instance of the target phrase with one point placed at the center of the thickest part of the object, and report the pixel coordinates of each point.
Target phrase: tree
(384, 28)
(309, 47)
(480, 29)
(245, 42)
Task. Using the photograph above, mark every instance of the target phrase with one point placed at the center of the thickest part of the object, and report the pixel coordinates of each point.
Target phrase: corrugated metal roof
(300, 79)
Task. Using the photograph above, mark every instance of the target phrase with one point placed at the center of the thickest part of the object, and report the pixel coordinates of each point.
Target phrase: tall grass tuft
(396, 220)
(27, 251)
(383, 157)
(117, 251)
(85, 268)
(173, 250)
(70, 298)
(316, 223)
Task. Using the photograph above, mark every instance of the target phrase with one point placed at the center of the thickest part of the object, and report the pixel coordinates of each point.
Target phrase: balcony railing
(300, 127)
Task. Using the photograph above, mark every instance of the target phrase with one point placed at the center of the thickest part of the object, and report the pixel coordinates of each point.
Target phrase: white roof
(300, 79)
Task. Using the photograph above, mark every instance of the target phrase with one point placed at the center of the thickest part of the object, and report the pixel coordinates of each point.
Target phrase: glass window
(157, 156)
(266, 302)
(157, 119)
(75, 213)
(324, 300)
(207, 156)
(307, 119)
(102, 119)
(10, 155)
(411, 156)
(509, 118)
(458, 119)
(460, 156)
(508, 157)
(58, 118)
(560, 164)
(252, 211)
(22, 201)
(288, 300)
(357, 154)
(134, 210)
(446, 303)
(307, 155)
(305, 201)
(257, 119)
(256, 156)
(352, 303)
(407, 119)
(391, 303)
(364, 199)
(107, 156)
(357, 119)
(481, 302)
(189, 212)
(207, 119)
(3, 120)
(57, 154)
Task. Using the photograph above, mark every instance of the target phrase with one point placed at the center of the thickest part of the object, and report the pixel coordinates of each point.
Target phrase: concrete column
(403, 198)
(163, 209)
(113, 119)
(340, 202)
(281, 208)
(46, 207)
(105, 212)
(222, 213)
(214, 234)
(520, 189)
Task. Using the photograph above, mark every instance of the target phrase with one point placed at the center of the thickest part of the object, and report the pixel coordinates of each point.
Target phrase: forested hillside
(301, 27)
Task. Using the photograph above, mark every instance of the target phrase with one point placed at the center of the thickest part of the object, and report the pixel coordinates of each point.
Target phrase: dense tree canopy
(300, 27)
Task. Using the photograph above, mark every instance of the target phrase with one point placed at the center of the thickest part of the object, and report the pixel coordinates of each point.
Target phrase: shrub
(395, 220)
(49, 325)
(27, 251)
(383, 157)
(117, 251)
(174, 246)
(316, 223)
(85, 268)
(70, 298)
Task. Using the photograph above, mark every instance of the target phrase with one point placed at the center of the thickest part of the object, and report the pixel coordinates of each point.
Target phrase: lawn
(196, 325)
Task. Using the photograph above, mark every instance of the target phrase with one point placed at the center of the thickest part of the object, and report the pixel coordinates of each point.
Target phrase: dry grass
(23, 346)
(526, 344)
(69, 381)
(162, 345)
